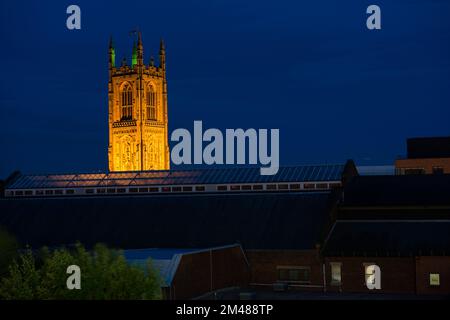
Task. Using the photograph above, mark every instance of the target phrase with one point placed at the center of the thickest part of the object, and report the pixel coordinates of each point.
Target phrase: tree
(105, 274)
(8, 251)
(23, 280)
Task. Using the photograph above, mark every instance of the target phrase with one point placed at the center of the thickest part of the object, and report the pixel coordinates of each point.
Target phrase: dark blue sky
(311, 68)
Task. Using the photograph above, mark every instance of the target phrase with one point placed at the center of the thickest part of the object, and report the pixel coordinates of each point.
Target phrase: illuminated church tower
(137, 116)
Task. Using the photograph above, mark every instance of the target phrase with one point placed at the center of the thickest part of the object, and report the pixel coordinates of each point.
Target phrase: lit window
(151, 103)
(336, 273)
(372, 275)
(435, 279)
(127, 103)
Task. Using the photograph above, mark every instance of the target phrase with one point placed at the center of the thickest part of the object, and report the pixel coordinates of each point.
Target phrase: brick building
(312, 228)
(401, 224)
(425, 156)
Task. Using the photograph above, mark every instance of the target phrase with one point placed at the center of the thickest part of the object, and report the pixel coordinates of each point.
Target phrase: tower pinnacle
(111, 53)
(162, 55)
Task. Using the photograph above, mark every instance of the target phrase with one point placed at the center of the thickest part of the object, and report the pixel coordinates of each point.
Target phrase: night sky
(310, 68)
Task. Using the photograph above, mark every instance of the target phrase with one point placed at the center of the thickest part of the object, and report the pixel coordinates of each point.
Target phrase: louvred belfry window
(151, 103)
(127, 103)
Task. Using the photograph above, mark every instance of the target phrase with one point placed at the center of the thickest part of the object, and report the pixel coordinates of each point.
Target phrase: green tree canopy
(105, 274)
(8, 251)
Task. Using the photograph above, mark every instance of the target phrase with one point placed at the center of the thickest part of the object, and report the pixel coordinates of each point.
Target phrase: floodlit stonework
(137, 113)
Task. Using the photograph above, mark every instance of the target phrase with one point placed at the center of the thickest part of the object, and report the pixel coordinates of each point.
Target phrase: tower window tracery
(151, 103)
(126, 103)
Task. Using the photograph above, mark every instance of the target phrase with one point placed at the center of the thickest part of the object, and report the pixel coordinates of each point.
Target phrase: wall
(435, 264)
(263, 266)
(206, 271)
(397, 274)
(426, 164)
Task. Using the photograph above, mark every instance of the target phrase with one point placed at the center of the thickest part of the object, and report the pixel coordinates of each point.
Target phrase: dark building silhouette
(425, 156)
(313, 228)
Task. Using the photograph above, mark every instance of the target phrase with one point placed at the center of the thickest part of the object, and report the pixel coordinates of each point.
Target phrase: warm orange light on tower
(138, 122)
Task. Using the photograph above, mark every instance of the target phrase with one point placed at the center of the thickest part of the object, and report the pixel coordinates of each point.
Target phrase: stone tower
(137, 113)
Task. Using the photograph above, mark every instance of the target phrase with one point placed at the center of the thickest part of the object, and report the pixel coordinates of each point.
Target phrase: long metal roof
(179, 177)
(283, 220)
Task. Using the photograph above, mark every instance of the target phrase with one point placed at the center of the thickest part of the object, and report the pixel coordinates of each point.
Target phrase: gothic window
(151, 103)
(127, 103)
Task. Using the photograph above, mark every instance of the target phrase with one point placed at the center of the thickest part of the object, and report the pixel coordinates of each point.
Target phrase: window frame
(151, 103)
(333, 281)
(126, 102)
(294, 268)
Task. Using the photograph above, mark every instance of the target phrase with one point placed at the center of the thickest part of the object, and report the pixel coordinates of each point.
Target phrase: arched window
(151, 103)
(127, 103)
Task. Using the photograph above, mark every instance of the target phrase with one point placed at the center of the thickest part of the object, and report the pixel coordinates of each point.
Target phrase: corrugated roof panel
(324, 173)
(89, 176)
(198, 176)
(285, 174)
(81, 183)
(301, 173)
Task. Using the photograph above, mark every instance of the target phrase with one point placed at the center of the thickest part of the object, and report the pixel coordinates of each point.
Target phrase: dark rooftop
(397, 190)
(433, 147)
(391, 216)
(389, 238)
(257, 221)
